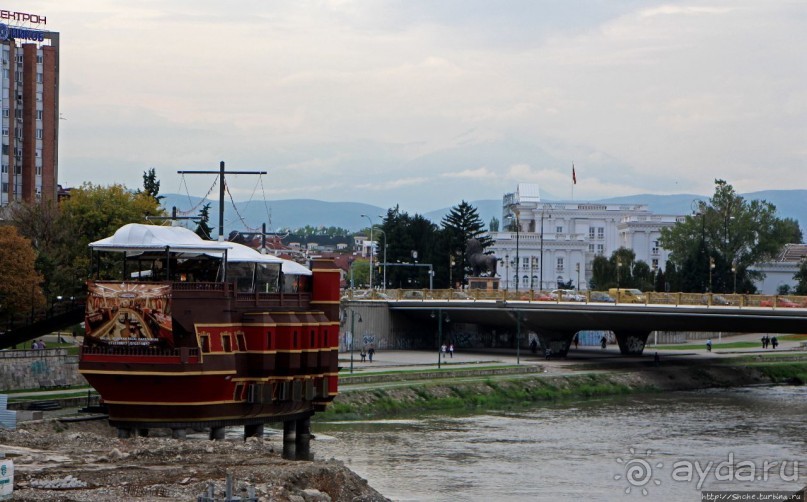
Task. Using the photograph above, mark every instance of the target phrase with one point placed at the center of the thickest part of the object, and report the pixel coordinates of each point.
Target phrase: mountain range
(297, 213)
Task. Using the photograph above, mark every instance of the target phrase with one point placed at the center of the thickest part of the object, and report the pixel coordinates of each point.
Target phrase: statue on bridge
(479, 261)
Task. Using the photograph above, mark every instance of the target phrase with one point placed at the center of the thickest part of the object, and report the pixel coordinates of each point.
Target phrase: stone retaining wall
(34, 369)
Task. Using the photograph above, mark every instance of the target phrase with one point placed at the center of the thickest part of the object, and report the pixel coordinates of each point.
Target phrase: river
(638, 447)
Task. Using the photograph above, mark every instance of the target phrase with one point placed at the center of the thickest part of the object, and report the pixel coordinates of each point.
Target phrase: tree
(151, 185)
(203, 229)
(729, 230)
(459, 225)
(91, 213)
(19, 281)
(801, 279)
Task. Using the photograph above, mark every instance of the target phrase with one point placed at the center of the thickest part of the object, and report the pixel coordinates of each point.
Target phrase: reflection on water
(585, 449)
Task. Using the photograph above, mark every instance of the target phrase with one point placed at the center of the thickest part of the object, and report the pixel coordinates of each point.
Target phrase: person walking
(708, 345)
(576, 340)
(443, 351)
(451, 350)
(603, 341)
(774, 342)
(370, 354)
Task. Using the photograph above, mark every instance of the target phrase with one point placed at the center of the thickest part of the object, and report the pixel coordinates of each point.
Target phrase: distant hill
(296, 213)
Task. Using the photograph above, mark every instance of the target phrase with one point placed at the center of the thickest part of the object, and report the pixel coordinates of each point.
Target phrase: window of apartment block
(591, 248)
(38, 78)
(5, 187)
(601, 232)
(560, 263)
(590, 232)
(39, 114)
(600, 249)
(5, 132)
(39, 170)
(5, 112)
(39, 134)
(559, 229)
(39, 59)
(5, 168)
(655, 264)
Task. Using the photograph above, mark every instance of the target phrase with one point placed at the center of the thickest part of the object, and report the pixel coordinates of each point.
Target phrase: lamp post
(711, 268)
(384, 286)
(518, 337)
(618, 266)
(734, 271)
(532, 273)
(507, 271)
(372, 249)
(439, 334)
(352, 336)
(541, 268)
(577, 267)
(518, 264)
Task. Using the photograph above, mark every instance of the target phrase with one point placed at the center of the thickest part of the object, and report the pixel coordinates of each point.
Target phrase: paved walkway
(585, 355)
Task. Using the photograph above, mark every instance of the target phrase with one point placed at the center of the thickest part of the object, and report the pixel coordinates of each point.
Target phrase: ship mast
(221, 172)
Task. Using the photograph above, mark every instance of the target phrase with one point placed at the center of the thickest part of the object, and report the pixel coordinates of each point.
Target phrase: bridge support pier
(631, 342)
(557, 341)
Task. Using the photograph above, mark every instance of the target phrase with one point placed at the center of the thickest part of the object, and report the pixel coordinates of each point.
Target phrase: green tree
(801, 279)
(151, 185)
(91, 213)
(459, 225)
(19, 281)
(203, 229)
(728, 230)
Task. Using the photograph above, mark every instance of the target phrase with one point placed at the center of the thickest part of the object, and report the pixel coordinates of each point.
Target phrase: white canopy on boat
(138, 238)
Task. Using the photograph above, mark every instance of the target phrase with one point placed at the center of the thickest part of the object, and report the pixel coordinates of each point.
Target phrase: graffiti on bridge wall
(39, 367)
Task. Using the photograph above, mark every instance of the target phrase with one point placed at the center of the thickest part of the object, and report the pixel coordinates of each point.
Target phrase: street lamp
(541, 268)
(384, 286)
(372, 249)
(618, 266)
(440, 333)
(734, 271)
(577, 267)
(352, 335)
(711, 268)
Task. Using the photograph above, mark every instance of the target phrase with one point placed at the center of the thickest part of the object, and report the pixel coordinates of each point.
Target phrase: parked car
(629, 295)
(716, 300)
(600, 296)
(567, 295)
(780, 303)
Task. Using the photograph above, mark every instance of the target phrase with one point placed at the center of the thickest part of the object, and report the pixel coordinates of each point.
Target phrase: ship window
(242, 342)
(294, 340)
(313, 339)
(325, 338)
(226, 343)
(204, 341)
(269, 340)
(239, 389)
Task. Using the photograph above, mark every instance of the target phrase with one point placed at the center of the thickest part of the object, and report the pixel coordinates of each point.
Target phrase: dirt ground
(85, 461)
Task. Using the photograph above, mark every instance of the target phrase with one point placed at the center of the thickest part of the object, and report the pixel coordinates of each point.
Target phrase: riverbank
(468, 391)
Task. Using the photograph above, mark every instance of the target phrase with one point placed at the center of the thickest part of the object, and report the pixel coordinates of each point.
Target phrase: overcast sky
(426, 103)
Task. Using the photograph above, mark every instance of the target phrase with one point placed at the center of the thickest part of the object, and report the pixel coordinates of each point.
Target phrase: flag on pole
(574, 177)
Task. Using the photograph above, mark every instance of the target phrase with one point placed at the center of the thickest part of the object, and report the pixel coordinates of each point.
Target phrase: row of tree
(413, 246)
(45, 250)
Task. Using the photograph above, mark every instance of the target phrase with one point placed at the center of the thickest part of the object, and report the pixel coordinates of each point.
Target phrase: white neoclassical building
(557, 241)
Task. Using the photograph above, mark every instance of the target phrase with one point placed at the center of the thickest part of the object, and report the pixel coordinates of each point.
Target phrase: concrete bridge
(407, 320)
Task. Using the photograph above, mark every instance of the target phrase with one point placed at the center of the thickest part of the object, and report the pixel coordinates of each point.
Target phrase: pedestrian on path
(774, 342)
(363, 355)
(451, 350)
(443, 350)
(576, 340)
(370, 353)
(765, 341)
(708, 345)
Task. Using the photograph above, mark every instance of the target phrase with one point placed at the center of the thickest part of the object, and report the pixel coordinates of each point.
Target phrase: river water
(639, 447)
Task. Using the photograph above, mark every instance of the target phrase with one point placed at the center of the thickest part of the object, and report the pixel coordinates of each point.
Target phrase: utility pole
(221, 173)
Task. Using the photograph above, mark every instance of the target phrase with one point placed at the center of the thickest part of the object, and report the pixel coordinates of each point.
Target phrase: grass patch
(793, 338)
(501, 394)
(698, 346)
(784, 372)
